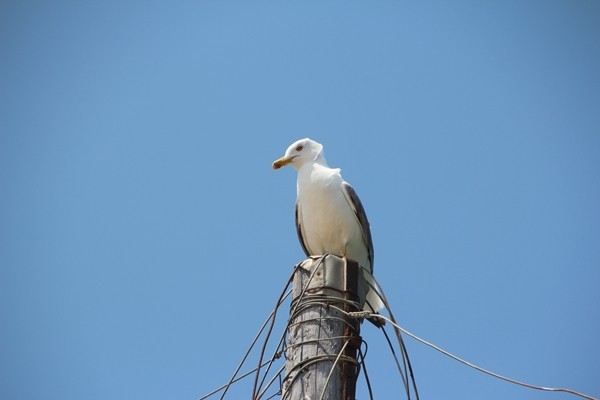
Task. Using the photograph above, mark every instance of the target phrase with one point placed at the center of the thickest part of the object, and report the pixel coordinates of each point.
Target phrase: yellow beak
(282, 162)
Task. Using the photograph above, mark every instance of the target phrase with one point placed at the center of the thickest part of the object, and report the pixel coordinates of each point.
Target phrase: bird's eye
(299, 147)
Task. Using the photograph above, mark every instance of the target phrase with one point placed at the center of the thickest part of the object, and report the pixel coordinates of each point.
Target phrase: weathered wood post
(322, 342)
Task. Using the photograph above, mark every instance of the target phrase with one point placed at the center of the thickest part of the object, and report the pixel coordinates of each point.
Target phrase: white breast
(328, 221)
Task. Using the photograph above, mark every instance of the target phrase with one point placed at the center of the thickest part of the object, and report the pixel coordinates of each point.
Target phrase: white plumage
(330, 217)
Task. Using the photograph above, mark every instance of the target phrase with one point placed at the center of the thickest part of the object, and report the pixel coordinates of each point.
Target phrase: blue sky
(144, 237)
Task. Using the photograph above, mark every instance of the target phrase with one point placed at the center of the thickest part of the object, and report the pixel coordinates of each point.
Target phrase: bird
(330, 218)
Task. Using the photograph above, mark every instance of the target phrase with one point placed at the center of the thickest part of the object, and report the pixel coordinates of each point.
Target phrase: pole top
(335, 276)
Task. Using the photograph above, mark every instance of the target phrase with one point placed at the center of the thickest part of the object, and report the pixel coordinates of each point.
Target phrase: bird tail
(374, 302)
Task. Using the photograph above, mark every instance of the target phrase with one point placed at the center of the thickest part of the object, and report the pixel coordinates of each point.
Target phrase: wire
(373, 284)
(272, 317)
(332, 368)
(232, 379)
(273, 395)
(364, 367)
(270, 382)
(239, 378)
(311, 361)
(404, 378)
(469, 364)
(405, 360)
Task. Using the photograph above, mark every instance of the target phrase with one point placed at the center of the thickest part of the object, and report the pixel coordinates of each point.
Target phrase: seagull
(330, 218)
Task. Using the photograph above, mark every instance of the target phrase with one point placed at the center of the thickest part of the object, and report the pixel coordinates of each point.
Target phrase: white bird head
(299, 153)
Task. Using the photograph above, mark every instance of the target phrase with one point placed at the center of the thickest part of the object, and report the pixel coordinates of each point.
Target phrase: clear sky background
(144, 237)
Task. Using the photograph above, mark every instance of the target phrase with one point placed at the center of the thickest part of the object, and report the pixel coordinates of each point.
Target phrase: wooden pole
(322, 342)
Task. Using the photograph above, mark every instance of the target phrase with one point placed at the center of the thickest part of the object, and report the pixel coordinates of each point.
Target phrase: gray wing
(361, 215)
(299, 230)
